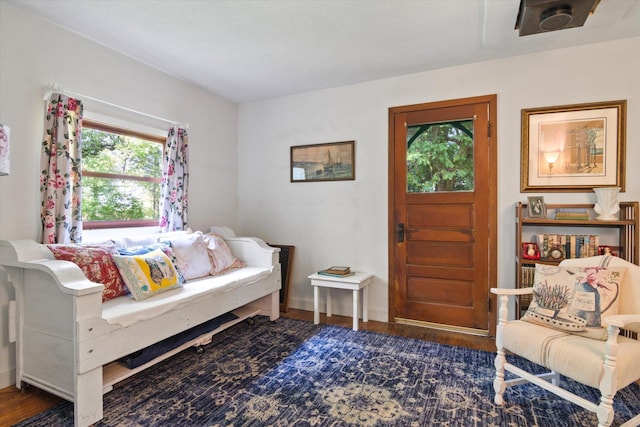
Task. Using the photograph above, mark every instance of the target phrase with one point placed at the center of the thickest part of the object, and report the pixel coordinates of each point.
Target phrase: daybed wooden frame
(65, 347)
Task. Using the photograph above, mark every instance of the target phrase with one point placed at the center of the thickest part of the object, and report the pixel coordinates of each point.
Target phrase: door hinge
(488, 305)
(489, 129)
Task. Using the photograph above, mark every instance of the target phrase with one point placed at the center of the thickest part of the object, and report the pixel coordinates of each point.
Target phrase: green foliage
(111, 153)
(114, 198)
(440, 157)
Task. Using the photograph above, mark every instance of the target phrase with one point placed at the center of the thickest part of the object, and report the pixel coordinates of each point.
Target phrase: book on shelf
(572, 245)
(338, 269)
(573, 216)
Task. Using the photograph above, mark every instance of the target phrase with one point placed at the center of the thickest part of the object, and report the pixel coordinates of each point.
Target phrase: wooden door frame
(493, 197)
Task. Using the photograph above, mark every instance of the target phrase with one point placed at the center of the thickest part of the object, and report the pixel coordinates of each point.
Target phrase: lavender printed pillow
(575, 299)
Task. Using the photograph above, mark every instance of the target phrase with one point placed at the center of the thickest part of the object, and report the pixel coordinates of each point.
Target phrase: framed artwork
(334, 161)
(573, 148)
(536, 207)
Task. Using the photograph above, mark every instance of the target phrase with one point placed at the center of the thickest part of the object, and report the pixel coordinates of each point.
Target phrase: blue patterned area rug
(293, 373)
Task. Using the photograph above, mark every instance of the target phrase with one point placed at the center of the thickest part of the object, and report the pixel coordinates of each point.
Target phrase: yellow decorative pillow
(147, 274)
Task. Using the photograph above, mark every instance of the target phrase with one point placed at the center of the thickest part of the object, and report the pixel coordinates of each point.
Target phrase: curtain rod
(48, 90)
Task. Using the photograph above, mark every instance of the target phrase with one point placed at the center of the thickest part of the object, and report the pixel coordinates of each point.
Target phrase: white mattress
(126, 311)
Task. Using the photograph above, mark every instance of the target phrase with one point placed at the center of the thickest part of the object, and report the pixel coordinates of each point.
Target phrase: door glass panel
(440, 157)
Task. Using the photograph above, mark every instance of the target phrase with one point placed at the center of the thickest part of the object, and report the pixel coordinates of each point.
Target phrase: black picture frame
(286, 264)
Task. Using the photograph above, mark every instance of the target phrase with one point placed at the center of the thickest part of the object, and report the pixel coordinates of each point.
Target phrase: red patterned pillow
(96, 262)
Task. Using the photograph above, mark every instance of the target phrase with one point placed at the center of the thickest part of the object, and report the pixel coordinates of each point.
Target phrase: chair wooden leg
(608, 383)
(605, 412)
(498, 383)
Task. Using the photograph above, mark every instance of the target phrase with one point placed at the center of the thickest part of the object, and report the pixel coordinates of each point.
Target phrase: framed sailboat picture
(334, 161)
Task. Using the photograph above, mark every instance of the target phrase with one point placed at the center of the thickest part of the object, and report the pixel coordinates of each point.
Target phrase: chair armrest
(509, 292)
(503, 298)
(622, 320)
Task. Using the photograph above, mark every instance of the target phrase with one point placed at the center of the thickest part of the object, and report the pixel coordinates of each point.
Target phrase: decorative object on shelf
(573, 147)
(607, 206)
(536, 207)
(555, 254)
(609, 250)
(5, 132)
(530, 250)
(334, 161)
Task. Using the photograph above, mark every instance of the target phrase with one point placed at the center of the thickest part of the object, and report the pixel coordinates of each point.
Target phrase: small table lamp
(4, 149)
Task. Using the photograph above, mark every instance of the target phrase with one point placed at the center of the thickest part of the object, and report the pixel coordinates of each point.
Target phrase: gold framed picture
(573, 148)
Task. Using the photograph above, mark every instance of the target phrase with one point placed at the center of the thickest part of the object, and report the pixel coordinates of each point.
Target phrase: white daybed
(68, 341)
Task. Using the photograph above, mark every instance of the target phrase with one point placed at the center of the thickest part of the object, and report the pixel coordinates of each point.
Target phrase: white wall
(346, 222)
(34, 53)
(330, 222)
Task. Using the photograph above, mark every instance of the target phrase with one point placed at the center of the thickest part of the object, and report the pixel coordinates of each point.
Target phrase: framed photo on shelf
(536, 207)
(334, 161)
(573, 148)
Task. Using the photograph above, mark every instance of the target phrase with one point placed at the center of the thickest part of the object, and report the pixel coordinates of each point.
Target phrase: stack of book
(573, 215)
(336, 271)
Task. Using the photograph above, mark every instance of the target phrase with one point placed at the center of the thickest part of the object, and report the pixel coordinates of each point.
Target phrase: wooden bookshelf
(621, 233)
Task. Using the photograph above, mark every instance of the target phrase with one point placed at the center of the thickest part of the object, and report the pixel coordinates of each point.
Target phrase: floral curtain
(175, 181)
(60, 176)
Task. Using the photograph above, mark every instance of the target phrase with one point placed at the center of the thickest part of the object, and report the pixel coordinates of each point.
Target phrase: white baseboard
(7, 378)
(339, 308)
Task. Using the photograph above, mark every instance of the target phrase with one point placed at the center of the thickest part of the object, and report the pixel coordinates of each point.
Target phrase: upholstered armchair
(608, 362)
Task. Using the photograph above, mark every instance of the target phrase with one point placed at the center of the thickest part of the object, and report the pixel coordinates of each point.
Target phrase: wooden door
(442, 222)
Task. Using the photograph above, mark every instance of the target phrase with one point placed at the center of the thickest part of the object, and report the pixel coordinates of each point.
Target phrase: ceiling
(251, 50)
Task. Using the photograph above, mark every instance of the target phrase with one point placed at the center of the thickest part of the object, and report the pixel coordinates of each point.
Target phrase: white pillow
(192, 256)
(150, 239)
(220, 254)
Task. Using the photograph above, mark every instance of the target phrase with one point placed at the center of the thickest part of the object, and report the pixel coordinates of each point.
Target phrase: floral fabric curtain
(61, 171)
(175, 181)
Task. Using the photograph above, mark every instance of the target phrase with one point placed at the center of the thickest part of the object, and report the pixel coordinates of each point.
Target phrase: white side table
(355, 282)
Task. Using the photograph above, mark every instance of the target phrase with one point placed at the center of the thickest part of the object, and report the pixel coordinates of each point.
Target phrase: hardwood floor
(17, 405)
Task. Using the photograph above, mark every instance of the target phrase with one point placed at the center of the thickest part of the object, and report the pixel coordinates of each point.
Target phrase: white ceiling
(251, 50)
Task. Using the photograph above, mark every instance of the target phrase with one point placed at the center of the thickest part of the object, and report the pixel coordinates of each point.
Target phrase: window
(440, 157)
(121, 176)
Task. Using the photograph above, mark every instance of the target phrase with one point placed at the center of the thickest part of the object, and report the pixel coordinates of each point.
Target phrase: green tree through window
(122, 171)
(440, 157)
